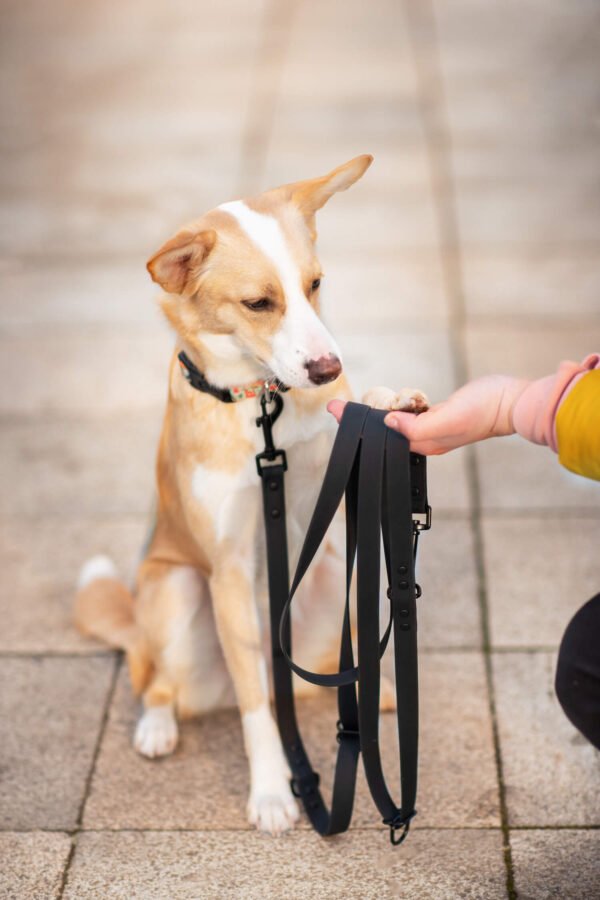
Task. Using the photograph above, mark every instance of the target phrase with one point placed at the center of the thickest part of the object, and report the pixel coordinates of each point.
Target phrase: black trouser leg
(578, 671)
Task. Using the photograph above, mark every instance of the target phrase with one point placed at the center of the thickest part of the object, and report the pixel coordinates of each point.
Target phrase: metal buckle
(425, 525)
(345, 732)
(399, 823)
(266, 421)
(270, 458)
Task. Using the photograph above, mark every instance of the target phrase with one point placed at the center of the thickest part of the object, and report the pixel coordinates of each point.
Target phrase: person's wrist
(497, 396)
(532, 411)
(514, 392)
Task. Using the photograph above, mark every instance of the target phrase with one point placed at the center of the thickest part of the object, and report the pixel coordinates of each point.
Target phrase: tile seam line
(427, 649)
(75, 832)
(303, 829)
(266, 81)
(81, 259)
(135, 516)
(432, 104)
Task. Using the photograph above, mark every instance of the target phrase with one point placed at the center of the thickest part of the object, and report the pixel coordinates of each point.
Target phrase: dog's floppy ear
(311, 195)
(176, 262)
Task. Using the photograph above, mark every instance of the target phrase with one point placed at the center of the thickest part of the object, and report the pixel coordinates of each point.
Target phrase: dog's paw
(273, 810)
(406, 400)
(156, 733)
(410, 400)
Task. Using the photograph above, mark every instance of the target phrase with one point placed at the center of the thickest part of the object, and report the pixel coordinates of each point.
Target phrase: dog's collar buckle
(270, 456)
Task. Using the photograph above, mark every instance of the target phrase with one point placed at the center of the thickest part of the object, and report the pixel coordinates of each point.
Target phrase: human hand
(479, 410)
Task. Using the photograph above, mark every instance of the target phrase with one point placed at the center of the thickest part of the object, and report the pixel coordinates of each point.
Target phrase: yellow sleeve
(578, 427)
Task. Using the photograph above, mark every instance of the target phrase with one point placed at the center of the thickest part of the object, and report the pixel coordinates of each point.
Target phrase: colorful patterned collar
(234, 394)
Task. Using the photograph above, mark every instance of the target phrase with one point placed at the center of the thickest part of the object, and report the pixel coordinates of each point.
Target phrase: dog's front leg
(271, 806)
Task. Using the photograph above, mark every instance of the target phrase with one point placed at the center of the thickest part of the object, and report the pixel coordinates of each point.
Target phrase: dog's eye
(263, 303)
(316, 284)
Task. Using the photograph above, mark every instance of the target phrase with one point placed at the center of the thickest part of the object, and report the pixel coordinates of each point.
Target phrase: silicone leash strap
(305, 782)
(338, 475)
(384, 486)
(404, 611)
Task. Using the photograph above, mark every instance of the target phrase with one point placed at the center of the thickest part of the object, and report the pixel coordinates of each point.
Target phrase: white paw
(156, 733)
(273, 809)
(410, 400)
(407, 400)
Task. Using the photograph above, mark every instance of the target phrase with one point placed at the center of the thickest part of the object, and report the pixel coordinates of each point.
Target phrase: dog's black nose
(324, 369)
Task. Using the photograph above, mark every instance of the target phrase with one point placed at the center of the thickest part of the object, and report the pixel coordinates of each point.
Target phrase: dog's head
(245, 279)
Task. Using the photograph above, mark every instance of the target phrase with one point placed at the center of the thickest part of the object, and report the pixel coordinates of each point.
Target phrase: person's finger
(336, 408)
(404, 422)
(422, 436)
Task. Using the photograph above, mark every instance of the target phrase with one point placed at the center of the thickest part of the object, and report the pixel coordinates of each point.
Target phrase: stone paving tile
(75, 226)
(53, 708)
(420, 359)
(433, 865)
(509, 56)
(40, 563)
(106, 25)
(518, 476)
(398, 165)
(109, 156)
(554, 285)
(387, 294)
(118, 293)
(550, 771)
(374, 225)
(556, 865)
(32, 864)
(79, 467)
(539, 571)
(447, 482)
(449, 609)
(364, 33)
(492, 214)
(92, 145)
(536, 180)
(80, 373)
(204, 784)
(489, 163)
(531, 350)
(315, 106)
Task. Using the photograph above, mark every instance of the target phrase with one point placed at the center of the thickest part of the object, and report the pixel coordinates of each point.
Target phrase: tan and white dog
(242, 294)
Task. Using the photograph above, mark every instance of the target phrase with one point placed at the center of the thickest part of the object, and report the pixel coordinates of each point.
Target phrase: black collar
(197, 380)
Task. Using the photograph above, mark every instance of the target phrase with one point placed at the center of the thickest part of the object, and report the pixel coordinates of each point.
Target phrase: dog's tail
(104, 609)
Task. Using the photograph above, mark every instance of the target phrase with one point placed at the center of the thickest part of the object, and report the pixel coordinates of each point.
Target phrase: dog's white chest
(232, 498)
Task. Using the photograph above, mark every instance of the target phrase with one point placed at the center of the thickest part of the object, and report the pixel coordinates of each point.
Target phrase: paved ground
(473, 245)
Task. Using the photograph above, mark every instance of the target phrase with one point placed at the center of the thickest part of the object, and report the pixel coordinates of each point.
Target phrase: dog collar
(196, 379)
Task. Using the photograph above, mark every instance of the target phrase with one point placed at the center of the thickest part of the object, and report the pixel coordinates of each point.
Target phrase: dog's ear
(177, 261)
(311, 195)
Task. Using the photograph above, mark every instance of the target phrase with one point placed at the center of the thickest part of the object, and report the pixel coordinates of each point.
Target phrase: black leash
(385, 487)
